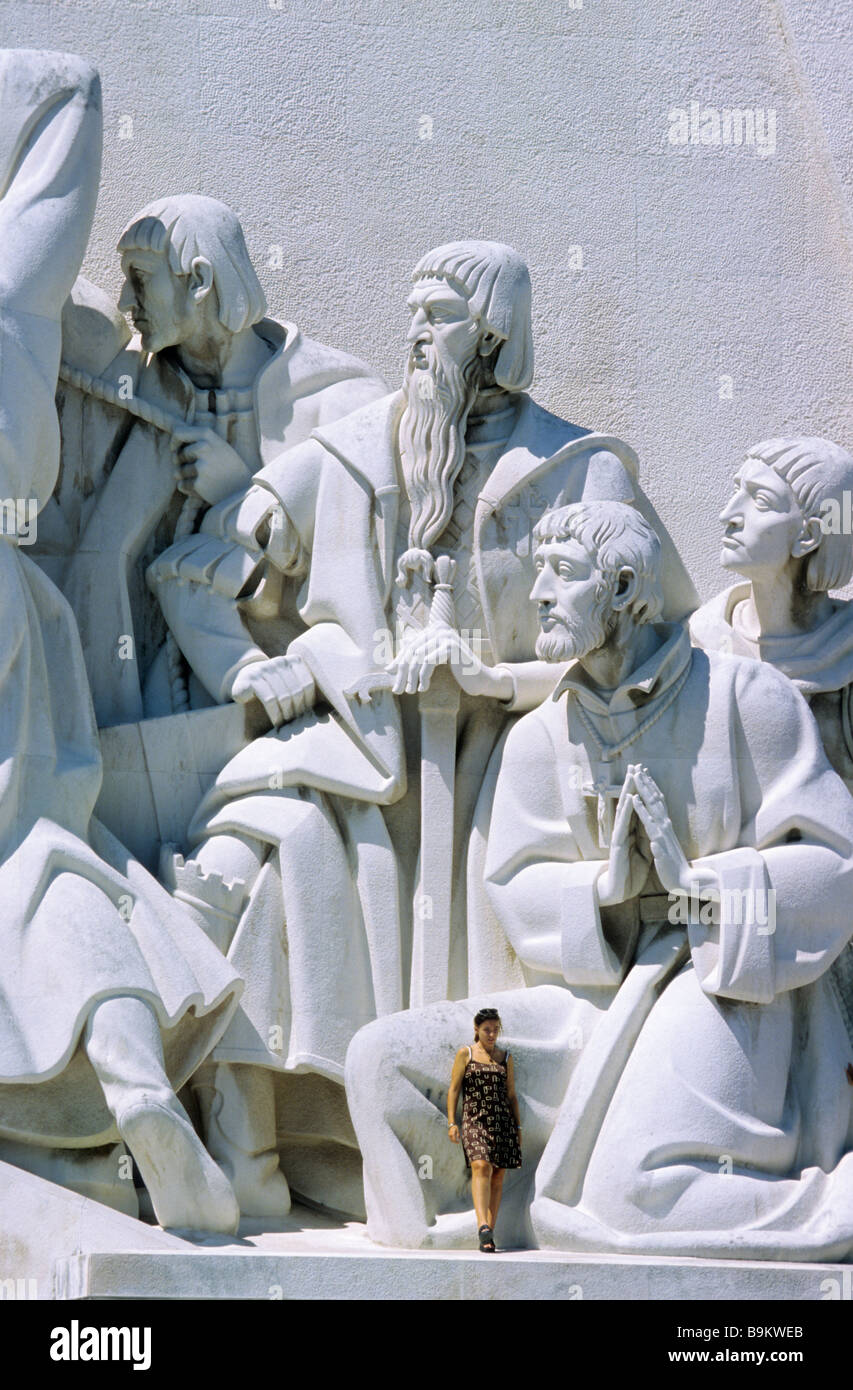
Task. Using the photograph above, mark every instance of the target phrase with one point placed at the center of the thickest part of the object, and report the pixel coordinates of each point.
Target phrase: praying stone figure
(208, 392)
(789, 532)
(706, 1108)
(330, 858)
(111, 995)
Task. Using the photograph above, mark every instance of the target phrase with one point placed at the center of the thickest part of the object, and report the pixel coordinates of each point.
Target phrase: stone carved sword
(438, 708)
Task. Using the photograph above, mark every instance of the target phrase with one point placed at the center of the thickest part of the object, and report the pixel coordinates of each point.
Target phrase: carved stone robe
(709, 1111)
(820, 663)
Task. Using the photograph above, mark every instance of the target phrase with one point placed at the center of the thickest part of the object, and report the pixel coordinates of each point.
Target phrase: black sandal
(487, 1240)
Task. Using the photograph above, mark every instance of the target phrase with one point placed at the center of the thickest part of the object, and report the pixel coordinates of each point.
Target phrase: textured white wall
(549, 130)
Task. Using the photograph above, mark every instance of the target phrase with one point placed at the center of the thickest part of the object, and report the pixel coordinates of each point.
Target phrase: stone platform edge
(437, 1275)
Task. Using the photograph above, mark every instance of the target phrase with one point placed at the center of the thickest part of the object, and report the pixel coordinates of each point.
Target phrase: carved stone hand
(673, 868)
(283, 684)
(207, 465)
(627, 868)
(432, 647)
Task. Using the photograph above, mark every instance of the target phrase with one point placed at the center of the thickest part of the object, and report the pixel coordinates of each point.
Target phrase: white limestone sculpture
(111, 995)
(411, 519)
(207, 392)
(789, 532)
(669, 842)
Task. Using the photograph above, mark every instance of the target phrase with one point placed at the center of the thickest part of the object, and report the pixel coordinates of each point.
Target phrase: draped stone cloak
(820, 664)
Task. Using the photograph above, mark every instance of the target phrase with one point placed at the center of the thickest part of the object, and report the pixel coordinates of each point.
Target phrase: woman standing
(491, 1126)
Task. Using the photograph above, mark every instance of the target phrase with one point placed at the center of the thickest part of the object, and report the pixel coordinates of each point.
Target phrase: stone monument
(336, 713)
(788, 532)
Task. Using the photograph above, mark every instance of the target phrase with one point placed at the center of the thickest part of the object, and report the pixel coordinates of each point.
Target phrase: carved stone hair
(190, 225)
(497, 284)
(617, 537)
(817, 471)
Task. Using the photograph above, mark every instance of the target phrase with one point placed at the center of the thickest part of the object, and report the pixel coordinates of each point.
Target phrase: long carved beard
(578, 636)
(432, 440)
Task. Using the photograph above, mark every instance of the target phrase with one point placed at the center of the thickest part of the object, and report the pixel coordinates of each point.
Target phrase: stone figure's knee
(231, 857)
(214, 883)
(70, 893)
(371, 1069)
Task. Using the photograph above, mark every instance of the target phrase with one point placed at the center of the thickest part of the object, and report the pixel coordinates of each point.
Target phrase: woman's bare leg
(481, 1185)
(496, 1193)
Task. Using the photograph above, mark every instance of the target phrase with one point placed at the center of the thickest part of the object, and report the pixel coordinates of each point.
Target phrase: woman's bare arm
(456, 1076)
(510, 1090)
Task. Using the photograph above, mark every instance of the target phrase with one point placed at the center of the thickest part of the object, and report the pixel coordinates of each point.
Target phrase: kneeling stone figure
(657, 852)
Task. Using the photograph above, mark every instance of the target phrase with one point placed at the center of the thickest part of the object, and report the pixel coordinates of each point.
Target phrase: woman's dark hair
(485, 1016)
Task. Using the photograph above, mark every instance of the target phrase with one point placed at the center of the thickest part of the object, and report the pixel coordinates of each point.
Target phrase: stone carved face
(574, 601)
(443, 373)
(161, 303)
(441, 329)
(762, 521)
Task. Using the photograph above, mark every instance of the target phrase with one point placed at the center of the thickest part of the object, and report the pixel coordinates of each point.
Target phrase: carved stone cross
(607, 794)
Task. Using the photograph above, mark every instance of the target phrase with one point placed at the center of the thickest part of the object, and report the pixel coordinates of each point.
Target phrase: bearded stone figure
(331, 856)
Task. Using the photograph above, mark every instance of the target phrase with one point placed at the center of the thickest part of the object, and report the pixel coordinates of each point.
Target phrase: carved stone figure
(208, 392)
(669, 841)
(408, 526)
(789, 532)
(111, 995)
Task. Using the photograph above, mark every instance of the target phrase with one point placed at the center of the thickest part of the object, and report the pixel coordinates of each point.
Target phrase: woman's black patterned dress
(489, 1130)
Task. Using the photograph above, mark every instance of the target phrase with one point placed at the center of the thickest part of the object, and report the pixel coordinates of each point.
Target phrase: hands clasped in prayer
(642, 808)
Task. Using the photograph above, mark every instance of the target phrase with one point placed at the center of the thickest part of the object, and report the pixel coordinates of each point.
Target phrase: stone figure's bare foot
(187, 1189)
